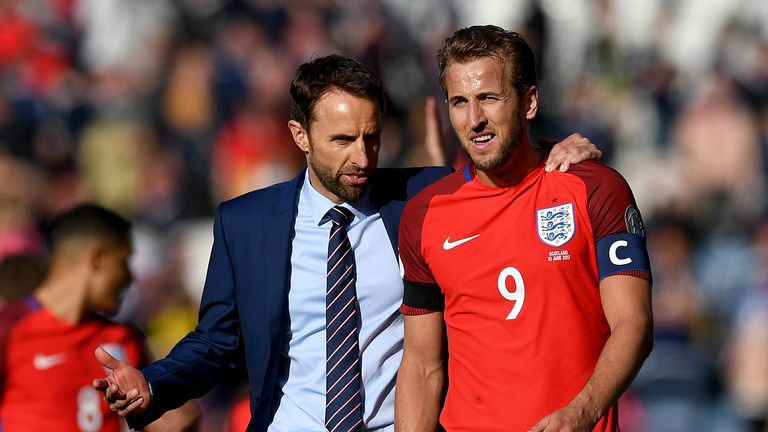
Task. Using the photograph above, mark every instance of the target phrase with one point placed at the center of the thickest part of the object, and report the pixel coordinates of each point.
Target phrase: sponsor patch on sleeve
(634, 221)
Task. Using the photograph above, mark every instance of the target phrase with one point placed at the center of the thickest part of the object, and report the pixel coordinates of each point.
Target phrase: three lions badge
(556, 225)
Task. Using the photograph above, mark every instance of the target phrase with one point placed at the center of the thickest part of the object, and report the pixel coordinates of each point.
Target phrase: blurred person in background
(717, 138)
(22, 188)
(48, 338)
(19, 275)
(746, 365)
(265, 292)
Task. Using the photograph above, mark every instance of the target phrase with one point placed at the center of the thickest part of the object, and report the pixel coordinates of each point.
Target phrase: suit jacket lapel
(278, 232)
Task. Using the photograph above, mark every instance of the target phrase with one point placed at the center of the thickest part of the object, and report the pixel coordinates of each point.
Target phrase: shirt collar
(319, 205)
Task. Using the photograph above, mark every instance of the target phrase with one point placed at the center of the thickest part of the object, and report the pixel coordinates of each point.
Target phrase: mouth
(355, 179)
(481, 140)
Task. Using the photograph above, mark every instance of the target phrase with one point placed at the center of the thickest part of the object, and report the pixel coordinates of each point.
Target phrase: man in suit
(265, 297)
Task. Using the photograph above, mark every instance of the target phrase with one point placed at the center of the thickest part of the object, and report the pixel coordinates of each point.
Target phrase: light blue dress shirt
(379, 293)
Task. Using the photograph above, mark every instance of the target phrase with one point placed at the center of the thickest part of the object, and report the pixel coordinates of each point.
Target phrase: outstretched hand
(572, 150)
(126, 390)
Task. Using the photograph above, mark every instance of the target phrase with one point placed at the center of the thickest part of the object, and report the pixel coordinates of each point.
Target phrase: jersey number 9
(518, 295)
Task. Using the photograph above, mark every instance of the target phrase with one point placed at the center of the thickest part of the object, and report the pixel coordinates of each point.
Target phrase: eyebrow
(342, 137)
(347, 137)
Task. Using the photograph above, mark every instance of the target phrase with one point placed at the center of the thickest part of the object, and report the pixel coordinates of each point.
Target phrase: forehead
(341, 112)
(483, 74)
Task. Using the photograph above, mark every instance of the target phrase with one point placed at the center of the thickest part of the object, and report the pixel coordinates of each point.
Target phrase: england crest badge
(556, 225)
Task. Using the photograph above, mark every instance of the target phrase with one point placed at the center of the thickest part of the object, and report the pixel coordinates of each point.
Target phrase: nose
(477, 119)
(362, 154)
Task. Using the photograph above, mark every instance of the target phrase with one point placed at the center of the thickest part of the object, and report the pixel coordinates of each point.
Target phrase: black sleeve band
(423, 296)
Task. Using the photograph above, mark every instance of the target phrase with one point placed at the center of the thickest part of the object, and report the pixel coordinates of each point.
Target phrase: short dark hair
(476, 42)
(87, 221)
(323, 74)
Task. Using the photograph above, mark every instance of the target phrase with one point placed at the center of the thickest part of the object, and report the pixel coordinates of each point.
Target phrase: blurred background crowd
(160, 109)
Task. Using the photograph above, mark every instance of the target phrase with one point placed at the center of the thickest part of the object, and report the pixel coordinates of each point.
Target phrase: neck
(63, 296)
(521, 162)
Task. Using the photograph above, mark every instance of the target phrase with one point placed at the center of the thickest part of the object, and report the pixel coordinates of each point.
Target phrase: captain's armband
(623, 253)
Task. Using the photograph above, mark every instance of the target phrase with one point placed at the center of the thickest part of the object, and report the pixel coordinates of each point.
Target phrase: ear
(94, 256)
(300, 135)
(531, 102)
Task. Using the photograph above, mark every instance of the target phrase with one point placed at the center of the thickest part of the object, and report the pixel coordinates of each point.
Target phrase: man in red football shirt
(540, 280)
(47, 339)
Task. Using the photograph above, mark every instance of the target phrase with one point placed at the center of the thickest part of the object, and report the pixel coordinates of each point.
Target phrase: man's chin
(352, 193)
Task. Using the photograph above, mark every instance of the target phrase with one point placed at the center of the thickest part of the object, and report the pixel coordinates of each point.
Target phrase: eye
(342, 140)
(373, 139)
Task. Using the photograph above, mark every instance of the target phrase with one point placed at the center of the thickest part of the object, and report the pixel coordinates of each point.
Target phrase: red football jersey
(47, 367)
(518, 270)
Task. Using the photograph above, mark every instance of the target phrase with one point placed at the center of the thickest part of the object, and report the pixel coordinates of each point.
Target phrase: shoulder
(444, 186)
(597, 176)
(12, 314)
(11, 319)
(418, 206)
(408, 181)
(429, 174)
(257, 199)
(124, 328)
(259, 204)
(610, 202)
(398, 185)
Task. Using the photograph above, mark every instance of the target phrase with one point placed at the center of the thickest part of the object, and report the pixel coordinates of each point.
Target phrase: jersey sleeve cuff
(413, 311)
(421, 298)
(645, 275)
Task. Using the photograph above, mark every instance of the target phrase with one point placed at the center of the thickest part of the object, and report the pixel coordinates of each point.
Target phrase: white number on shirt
(89, 418)
(518, 295)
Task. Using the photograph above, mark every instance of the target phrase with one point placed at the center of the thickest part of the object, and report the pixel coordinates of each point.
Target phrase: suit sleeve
(200, 360)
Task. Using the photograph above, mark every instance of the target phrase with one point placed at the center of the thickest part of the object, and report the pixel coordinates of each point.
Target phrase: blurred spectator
(746, 368)
(22, 189)
(254, 148)
(19, 275)
(718, 141)
(678, 385)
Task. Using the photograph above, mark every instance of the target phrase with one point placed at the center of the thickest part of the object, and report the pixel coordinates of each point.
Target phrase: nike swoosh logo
(43, 362)
(448, 244)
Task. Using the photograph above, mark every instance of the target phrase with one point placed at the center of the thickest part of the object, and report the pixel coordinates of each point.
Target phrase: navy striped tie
(343, 406)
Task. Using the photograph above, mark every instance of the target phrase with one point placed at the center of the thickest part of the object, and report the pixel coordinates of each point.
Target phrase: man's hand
(568, 419)
(572, 150)
(434, 137)
(126, 390)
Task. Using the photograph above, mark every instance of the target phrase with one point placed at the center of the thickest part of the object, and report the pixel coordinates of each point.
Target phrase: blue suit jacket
(244, 304)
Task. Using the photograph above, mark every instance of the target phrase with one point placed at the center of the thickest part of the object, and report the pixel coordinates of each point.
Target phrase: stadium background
(161, 109)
